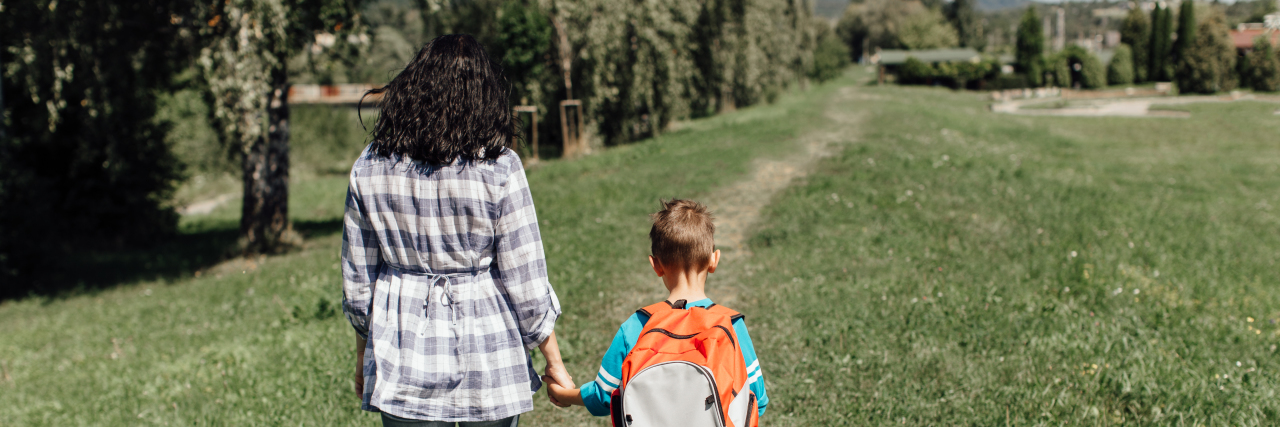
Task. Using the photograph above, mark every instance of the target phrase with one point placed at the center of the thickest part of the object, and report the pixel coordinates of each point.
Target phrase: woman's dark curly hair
(451, 101)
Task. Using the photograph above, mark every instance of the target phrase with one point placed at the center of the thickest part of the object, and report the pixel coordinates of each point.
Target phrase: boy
(683, 253)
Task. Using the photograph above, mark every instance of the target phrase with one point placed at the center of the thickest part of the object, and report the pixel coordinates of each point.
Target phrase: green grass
(923, 276)
(186, 340)
(964, 268)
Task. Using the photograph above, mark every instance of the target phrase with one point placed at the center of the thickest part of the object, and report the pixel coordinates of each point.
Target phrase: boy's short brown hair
(683, 234)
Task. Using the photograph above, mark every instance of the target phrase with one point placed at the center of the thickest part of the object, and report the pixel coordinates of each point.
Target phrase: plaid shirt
(443, 271)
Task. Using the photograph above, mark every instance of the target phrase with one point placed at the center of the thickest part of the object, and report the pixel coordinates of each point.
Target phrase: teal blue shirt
(596, 394)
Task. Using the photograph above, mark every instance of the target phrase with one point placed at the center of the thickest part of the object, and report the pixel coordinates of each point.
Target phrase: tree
(1161, 32)
(927, 29)
(1136, 33)
(1186, 29)
(1209, 63)
(874, 24)
(1120, 70)
(637, 66)
(245, 65)
(830, 57)
(968, 23)
(1029, 50)
(1262, 9)
(524, 37)
(1264, 67)
(83, 159)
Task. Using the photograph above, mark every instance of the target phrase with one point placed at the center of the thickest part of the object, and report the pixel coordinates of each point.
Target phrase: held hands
(559, 384)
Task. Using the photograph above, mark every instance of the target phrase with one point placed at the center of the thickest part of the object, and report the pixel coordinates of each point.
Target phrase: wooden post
(533, 113)
(571, 128)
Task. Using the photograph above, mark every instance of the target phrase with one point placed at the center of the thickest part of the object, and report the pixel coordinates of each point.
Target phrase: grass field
(949, 266)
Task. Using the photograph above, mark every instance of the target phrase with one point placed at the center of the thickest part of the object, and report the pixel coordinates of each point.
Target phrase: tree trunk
(264, 220)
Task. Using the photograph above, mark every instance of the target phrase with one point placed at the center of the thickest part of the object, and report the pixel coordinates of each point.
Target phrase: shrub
(1209, 63)
(1074, 65)
(830, 57)
(1263, 71)
(1120, 70)
(1009, 81)
(915, 71)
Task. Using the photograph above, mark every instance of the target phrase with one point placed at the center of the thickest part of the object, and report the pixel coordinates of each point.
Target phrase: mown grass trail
(945, 266)
(957, 267)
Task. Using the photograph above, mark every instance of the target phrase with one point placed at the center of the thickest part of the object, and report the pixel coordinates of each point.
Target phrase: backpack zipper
(685, 337)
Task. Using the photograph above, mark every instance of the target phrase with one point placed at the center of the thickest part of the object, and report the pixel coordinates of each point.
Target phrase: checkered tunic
(443, 271)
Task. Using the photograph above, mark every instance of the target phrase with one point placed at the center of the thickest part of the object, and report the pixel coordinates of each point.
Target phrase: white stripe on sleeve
(609, 378)
(604, 385)
(754, 366)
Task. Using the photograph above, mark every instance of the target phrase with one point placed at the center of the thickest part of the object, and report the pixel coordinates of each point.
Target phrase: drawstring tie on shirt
(445, 281)
(446, 296)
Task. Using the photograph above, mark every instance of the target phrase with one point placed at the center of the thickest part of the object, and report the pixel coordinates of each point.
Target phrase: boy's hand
(556, 376)
(560, 395)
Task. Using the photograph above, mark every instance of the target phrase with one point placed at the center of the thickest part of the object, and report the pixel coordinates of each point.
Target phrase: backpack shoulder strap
(726, 311)
(663, 305)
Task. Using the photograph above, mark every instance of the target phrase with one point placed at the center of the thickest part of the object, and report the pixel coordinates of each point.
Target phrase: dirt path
(737, 206)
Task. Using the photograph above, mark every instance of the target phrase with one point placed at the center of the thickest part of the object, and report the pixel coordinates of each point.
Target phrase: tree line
(1196, 54)
(83, 161)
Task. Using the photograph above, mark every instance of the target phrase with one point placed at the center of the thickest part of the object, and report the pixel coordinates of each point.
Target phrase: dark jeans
(394, 421)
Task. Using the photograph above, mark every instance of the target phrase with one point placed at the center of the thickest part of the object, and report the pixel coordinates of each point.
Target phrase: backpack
(685, 370)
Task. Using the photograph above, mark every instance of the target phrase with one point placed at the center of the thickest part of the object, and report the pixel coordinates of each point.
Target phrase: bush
(830, 57)
(915, 71)
(1009, 81)
(1209, 62)
(1263, 67)
(1121, 70)
(1074, 65)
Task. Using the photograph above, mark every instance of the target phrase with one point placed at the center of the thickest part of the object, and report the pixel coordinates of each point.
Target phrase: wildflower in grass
(1249, 319)
(1136, 291)
(1130, 245)
(1117, 291)
(1073, 254)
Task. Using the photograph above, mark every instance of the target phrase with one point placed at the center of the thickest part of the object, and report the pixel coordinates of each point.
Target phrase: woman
(444, 277)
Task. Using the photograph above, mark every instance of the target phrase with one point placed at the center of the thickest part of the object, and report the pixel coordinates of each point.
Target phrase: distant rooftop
(1243, 37)
(895, 57)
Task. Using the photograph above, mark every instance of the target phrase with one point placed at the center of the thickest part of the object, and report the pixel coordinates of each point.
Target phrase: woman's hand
(359, 377)
(555, 373)
(556, 376)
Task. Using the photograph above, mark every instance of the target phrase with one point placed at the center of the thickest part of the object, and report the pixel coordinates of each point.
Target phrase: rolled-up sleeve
(521, 262)
(361, 260)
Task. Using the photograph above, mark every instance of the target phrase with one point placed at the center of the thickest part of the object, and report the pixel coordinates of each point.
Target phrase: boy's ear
(657, 266)
(714, 261)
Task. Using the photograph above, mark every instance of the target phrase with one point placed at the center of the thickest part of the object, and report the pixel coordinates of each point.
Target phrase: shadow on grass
(176, 258)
